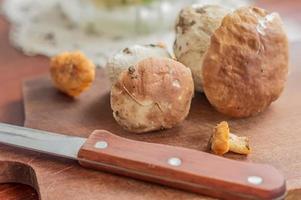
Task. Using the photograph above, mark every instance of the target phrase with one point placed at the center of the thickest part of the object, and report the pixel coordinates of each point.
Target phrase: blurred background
(97, 27)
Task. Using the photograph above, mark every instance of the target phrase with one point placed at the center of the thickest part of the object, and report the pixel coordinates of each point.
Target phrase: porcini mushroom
(246, 65)
(194, 27)
(222, 141)
(153, 94)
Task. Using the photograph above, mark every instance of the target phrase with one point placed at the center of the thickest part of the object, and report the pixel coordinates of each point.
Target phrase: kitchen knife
(177, 167)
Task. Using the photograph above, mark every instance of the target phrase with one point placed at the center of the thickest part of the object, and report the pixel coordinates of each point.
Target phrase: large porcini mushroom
(246, 65)
(153, 94)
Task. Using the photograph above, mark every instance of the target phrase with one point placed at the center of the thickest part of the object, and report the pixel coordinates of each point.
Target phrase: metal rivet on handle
(255, 180)
(101, 144)
(174, 161)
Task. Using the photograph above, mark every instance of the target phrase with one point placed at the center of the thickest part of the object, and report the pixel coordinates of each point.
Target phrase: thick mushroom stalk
(129, 56)
(194, 28)
(222, 141)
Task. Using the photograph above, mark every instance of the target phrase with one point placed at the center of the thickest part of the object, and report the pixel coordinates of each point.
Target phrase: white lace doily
(43, 27)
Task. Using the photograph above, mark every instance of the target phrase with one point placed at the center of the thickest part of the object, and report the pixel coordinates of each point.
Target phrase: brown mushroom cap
(155, 93)
(246, 66)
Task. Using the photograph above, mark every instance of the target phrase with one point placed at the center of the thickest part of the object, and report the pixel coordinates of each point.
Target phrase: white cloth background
(41, 27)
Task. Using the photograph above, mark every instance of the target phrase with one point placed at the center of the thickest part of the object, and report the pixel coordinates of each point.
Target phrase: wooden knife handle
(182, 168)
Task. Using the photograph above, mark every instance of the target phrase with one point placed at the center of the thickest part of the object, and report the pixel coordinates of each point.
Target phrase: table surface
(14, 67)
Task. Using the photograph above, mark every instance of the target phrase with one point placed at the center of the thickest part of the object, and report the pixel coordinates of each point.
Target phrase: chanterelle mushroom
(222, 141)
(72, 72)
(239, 145)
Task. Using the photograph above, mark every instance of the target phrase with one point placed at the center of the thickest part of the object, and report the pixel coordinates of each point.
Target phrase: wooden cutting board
(274, 135)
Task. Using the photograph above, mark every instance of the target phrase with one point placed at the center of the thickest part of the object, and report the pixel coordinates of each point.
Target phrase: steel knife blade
(41, 141)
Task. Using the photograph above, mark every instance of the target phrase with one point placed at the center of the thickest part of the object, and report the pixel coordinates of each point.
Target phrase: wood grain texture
(16, 191)
(14, 67)
(273, 134)
(199, 172)
(17, 172)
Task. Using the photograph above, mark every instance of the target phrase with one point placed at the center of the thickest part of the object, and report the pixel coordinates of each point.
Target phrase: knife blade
(177, 167)
(41, 141)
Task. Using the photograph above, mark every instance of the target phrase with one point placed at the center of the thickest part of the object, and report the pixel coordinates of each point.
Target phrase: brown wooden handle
(182, 168)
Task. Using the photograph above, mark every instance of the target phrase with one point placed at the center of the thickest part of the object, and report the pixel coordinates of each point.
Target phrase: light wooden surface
(14, 66)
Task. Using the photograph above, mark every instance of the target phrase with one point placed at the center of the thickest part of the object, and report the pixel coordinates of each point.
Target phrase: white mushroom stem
(238, 144)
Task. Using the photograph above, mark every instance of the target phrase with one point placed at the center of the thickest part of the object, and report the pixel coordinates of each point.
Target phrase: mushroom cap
(130, 56)
(220, 143)
(72, 72)
(153, 94)
(194, 27)
(246, 66)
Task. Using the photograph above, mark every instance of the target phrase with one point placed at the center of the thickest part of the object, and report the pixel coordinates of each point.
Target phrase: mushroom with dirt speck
(146, 97)
(129, 56)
